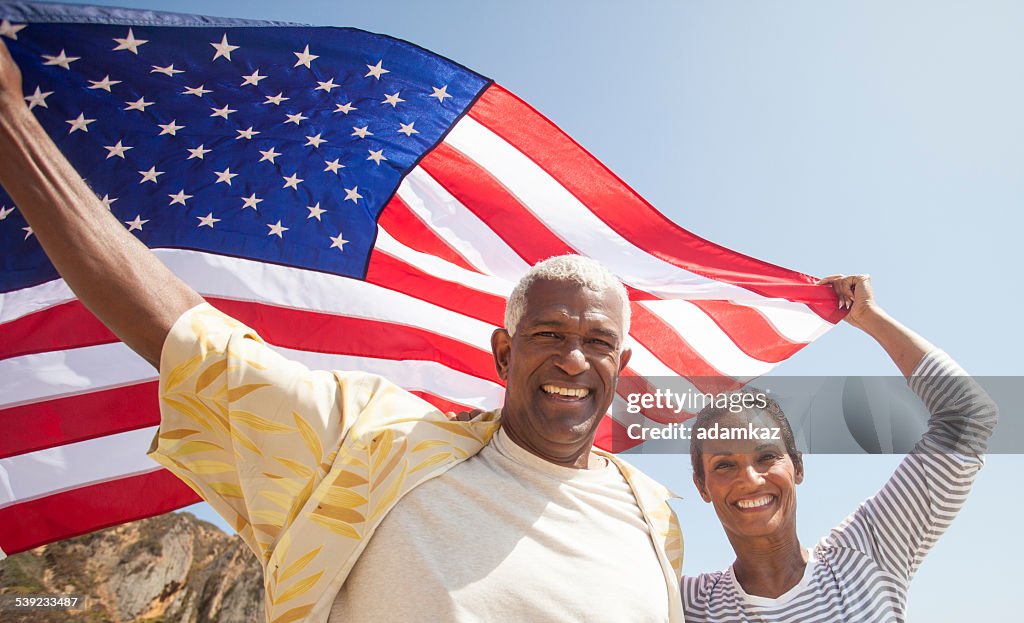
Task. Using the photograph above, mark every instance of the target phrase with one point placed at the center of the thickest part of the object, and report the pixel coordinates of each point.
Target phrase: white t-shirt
(506, 535)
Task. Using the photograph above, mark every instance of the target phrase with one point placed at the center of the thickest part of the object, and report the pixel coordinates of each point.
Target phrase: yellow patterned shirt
(305, 464)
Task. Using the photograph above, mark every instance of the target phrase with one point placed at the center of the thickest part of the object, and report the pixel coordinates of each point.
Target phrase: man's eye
(601, 343)
(723, 465)
(769, 457)
(546, 334)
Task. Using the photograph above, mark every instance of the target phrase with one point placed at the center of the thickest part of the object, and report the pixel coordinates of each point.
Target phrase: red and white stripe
(504, 190)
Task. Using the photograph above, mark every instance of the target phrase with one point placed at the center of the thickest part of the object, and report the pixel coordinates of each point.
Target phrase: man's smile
(565, 392)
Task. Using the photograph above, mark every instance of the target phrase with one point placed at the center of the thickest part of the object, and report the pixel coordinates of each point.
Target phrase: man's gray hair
(582, 270)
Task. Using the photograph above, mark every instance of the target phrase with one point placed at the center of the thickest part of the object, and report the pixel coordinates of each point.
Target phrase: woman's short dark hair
(711, 413)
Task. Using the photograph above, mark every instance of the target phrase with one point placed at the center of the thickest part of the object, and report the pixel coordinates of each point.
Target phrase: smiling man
(537, 526)
(362, 501)
(561, 355)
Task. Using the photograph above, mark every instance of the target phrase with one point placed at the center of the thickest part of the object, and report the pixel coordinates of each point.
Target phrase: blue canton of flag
(277, 145)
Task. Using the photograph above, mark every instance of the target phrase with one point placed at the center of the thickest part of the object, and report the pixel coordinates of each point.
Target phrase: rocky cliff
(172, 568)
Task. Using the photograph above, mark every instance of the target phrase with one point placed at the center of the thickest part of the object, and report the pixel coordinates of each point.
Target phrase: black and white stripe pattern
(861, 571)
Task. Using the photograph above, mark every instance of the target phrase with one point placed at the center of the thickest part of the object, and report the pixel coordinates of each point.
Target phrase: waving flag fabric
(361, 202)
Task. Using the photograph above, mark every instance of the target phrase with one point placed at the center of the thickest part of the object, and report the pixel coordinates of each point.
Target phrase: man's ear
(501, 348)
(701, 489)
(798, 466)
(624, 358)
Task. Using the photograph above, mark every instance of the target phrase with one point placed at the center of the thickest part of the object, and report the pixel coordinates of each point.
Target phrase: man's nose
(572, 359)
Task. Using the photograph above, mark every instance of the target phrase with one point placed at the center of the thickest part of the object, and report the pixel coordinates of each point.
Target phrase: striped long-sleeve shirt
(862, 569)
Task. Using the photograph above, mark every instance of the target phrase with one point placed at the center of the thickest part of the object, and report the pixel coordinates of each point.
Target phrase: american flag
(359, 201)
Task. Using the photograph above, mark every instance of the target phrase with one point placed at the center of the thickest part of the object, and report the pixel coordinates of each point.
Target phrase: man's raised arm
(110, 271)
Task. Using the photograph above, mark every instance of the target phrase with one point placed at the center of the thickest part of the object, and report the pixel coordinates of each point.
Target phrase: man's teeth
(761, 501)
(566, 391)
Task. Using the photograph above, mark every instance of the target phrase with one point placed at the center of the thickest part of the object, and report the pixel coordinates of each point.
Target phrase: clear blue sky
(863, 136)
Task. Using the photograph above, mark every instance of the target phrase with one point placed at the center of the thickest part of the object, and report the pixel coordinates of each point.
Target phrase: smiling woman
(861, 571)
(747, 475)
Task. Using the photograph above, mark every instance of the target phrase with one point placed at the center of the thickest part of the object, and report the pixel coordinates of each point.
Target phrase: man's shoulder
(637, 478)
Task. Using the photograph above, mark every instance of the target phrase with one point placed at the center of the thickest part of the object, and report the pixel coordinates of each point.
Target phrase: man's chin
(570, 428)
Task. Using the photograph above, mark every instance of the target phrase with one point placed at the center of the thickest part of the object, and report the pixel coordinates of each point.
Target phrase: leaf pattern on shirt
(301, 485)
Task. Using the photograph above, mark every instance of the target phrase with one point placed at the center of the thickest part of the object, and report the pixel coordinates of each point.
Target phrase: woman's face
(750, 482)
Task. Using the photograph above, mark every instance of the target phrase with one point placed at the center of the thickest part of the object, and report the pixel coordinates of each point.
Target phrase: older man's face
(560, 368)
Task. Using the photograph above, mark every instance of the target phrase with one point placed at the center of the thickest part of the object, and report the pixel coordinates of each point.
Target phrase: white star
(376, 156)
(107, 200)
(198, 152)
(333, 165)
(253, 78)
(79, 123)
(270, 154)
(352, 194)
(60, 60)
(440, 94)
(250, 201)
(222, 112)
(38, 99)
(207, 220)
(104, 84)
(139, 104)
(361, 132)
(315, 211)
(223, 48)
(292, 181)
(8, 29)
(150, 175)
(345, 108)
(225, 176)
(297, 118)
(338, 241)
(305, 58)
(167, 71)
(276, 99)
(376, 70)
(314, 140)
(197, 91)
(28, 231)
(117, 150)
(179, 197)
(169, 128)
(326, 86)
(130, 43)
(407, 128)
(392, 99)
(136, 223)
(5, 212)
(246, 134)
(277, 229)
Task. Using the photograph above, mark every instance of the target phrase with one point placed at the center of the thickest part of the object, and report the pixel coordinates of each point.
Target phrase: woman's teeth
(764, 500)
